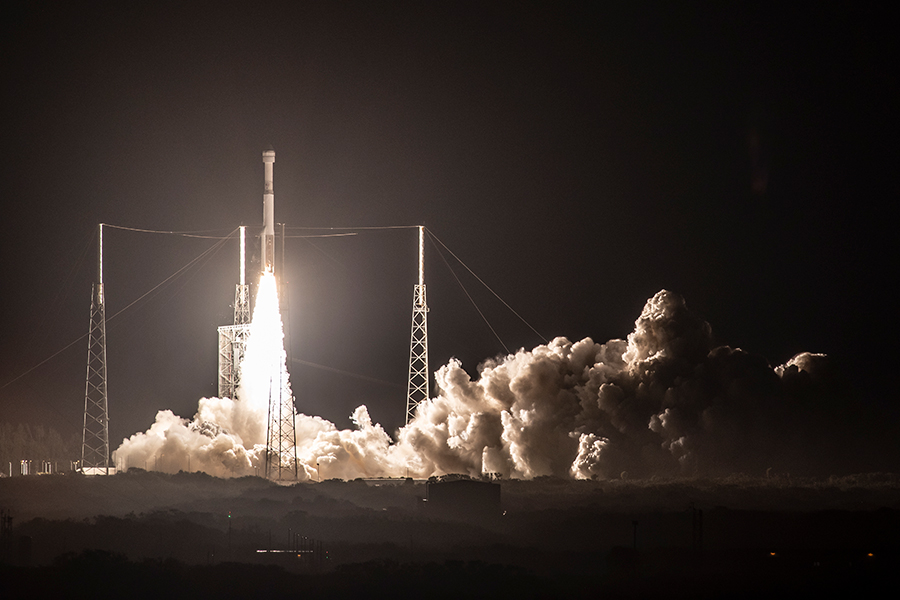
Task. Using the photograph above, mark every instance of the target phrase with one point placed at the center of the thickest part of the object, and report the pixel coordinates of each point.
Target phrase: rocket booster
(267, 261)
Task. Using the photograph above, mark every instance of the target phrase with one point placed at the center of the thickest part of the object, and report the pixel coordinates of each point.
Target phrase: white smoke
(664, 401)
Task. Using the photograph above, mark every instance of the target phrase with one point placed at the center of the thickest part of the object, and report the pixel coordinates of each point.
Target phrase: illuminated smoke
(662, 402)
(226, 436)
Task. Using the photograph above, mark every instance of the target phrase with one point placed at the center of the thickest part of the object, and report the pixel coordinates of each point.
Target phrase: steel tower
(417, 386)
(233, 338)
(242, 291)
(95, 439)
(281, 437)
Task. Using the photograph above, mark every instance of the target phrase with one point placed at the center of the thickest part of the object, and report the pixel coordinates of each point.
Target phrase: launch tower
(95, 438)
(417, 385)
(233, 338)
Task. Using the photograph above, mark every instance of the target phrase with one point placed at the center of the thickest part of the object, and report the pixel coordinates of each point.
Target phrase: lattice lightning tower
(281, 439)
(95, 439)
(281, 434)
(417, 387)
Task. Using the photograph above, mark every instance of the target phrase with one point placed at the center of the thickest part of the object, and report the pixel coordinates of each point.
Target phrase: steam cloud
(662, 402)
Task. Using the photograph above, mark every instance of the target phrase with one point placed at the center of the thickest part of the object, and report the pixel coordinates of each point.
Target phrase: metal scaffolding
(233, 338)
(417, 385)
(232, 346)
(281, 435)
(242, 291)
(95, 438)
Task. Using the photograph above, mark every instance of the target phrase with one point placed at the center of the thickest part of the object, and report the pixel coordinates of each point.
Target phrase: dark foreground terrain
(152, 535)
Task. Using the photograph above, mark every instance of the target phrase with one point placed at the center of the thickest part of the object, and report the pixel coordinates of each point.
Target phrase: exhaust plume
(663, 401)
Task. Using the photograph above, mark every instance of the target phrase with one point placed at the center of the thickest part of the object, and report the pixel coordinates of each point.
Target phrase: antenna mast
(242, 292)
(417, 386)
(95, 439)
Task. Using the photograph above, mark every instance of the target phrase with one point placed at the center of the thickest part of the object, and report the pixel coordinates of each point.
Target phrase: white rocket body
(267, 261)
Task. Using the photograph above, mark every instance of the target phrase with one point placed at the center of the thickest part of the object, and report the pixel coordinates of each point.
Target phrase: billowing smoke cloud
(662, 402)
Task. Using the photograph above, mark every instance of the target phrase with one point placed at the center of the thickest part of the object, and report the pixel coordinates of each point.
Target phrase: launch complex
(281, 451)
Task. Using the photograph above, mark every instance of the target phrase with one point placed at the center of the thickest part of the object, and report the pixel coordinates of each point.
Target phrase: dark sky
(577, 157)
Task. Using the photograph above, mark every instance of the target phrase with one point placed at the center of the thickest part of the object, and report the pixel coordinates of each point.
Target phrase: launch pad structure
(281, 453)
(281, 438)
(233, 338)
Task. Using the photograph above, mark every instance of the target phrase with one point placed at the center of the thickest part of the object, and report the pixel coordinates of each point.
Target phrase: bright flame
(264, 364)
(226, 436)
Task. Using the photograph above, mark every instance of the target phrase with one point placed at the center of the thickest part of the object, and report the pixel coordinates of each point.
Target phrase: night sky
(578, 158)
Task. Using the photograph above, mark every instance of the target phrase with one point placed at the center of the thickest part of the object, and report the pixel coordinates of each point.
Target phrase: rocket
(267, 261)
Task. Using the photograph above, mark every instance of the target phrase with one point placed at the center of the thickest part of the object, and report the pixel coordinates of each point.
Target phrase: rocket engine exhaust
(665, 400)
(267, 261)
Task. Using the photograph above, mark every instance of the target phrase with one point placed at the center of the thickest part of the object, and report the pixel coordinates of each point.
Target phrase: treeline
(38, 444)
